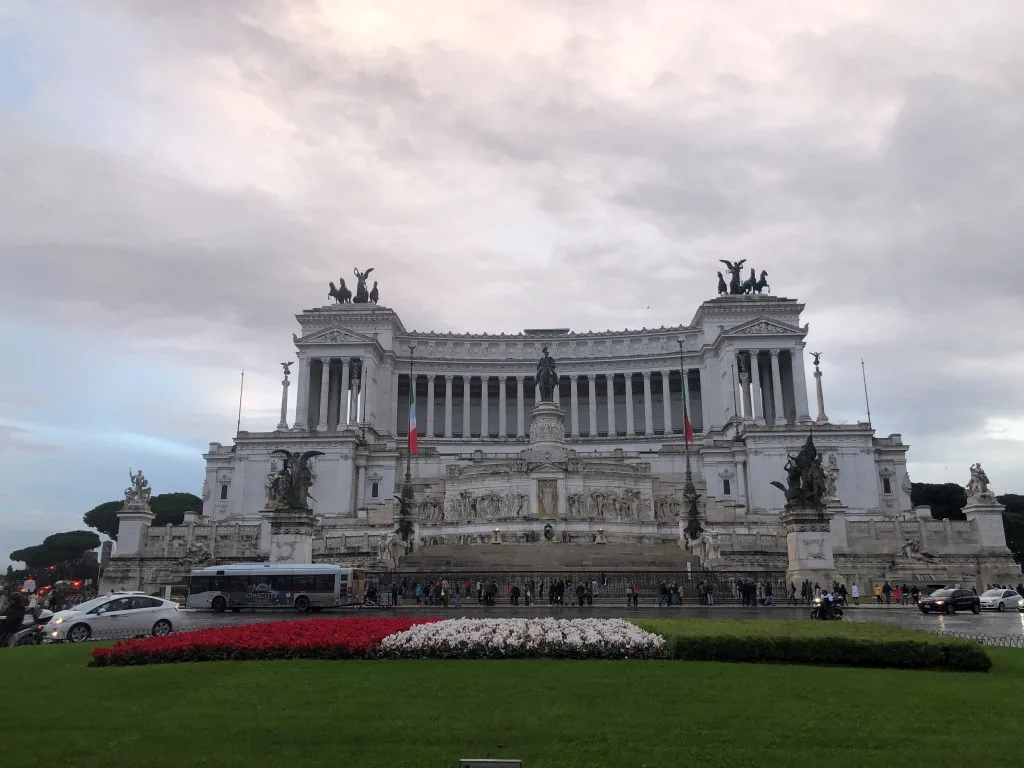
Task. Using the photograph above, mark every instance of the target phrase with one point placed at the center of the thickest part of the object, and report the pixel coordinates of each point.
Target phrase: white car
(115, 616)
(1000, 600)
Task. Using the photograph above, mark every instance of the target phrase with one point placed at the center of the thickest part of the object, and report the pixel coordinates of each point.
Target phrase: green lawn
(782, 627)
(57, 711)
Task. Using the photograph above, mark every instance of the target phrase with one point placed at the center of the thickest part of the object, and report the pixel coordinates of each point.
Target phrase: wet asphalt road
(988, 623)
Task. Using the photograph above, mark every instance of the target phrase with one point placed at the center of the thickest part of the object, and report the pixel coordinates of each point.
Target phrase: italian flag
(414, 443)
(688, 427)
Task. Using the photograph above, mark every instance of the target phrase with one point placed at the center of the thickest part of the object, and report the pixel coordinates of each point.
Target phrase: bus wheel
(219, 604)
(301, 603)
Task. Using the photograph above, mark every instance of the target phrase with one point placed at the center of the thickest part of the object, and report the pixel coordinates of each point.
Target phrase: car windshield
(993, 593)
(88, 605)
(942, 593)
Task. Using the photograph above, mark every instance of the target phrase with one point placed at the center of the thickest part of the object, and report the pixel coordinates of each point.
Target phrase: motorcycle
(819, 611)
(31, 632)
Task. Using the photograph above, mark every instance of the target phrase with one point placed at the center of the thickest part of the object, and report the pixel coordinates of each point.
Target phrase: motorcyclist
(826, 604)
(14, 615)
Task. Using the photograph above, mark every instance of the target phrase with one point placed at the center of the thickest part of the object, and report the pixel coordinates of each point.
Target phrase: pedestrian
(855, 593)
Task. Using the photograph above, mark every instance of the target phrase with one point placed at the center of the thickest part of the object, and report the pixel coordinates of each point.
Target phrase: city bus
(274, 585)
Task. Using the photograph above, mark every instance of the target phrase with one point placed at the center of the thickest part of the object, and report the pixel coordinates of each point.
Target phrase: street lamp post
(690, 495)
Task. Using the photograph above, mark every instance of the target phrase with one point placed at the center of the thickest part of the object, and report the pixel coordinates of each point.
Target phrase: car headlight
(939, 602)
(59, 620)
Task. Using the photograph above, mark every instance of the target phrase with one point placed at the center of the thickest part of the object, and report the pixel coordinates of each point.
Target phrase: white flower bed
(522, 638)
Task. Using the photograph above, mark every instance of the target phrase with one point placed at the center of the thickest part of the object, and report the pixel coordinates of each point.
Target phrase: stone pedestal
(809, 545)
(291, 535)
(987, 514)
(547, 427)
(132, 525)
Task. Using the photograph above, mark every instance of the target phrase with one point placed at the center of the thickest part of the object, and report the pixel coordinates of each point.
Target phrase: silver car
(118, 615)
(1000, 600)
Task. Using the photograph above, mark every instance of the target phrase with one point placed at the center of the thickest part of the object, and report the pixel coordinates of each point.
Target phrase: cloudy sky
(178, 179)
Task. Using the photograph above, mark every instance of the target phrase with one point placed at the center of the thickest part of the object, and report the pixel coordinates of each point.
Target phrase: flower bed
(524, 638)
(304, 639)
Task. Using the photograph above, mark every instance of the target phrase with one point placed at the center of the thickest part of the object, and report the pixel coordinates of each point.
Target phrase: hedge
(835, 651)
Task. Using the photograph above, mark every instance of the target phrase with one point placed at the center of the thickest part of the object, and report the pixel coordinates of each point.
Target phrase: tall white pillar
(648, 409)
(395, 405)
(735, 403)
(557, 394)
(822, 418)
(430, 405)
(283, 423)
(520, 408)
(302, 395)
(362, 412)
(592, 402)
(466, 431)
(574, 404)
(536, 392)
(755, 386)
(345, 405)
(780, 414)
(609, 379)
(800, 384)
(325, 390)
(448, 404)
(485, 427)
(748, 410)
(666, 402)
(630, 425)
(502, 408)
(705, 400)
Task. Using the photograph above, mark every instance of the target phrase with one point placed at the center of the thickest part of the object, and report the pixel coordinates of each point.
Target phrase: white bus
(274, 585)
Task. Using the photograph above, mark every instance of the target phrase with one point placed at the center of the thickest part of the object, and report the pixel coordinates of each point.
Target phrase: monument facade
(571, 449)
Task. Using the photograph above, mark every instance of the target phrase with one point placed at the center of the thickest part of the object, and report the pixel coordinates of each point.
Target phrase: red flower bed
(304, 639)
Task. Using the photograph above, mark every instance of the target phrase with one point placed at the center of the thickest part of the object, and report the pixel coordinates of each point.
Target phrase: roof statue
(139, 490)
(738, 286)
(342, 294)
(362, 295)
(547, 377)
(977, 487)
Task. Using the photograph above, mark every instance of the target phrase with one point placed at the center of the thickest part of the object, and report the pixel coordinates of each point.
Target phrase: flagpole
(241, 388)
(864, 377)
(690, 496)
(407, 488)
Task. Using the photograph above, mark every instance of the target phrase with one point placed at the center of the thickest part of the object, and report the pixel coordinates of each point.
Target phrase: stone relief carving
(814, 549)
(832, 479)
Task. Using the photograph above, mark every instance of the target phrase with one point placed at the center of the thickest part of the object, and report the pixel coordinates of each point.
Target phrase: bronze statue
(374, 293)
(806, 484)
(723, 289)
(290, 486)
(693, 527)
(362, 295)
(341, 295)
(735, 285)
(761, 283)
(547, 377)
(817, 357)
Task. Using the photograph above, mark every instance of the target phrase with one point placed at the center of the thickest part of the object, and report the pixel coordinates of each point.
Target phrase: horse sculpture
(755, 285)
(341, 295)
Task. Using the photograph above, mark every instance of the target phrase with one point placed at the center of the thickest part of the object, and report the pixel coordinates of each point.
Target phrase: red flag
(689, 428)
(414, 443)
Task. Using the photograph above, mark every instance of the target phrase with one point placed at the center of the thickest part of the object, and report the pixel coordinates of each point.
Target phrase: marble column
(800, 385)
(502, 408)
(666, 401)
(648, 409)
(630, 426)
(536, 392)
(430, 405)
(345, 406)
(735, 403)
(574, 404)
(325, 390)
(395, 405)
(302, 396)
(755, 384)
(448, 404)
(485, 427)
(609, 379)
(748, 410)
(822, 418)
(705, 401)
(466, 431)
(780, 414)
(283, 423)
(520, 407)
(364, 392)
(592, 402)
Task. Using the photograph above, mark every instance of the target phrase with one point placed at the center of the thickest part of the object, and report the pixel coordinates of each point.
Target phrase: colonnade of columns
(768, 386)
(333, 393)
(596, 405)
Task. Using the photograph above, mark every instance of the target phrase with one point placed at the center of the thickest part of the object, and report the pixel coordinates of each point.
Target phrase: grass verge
(426, 714)
(816, 643)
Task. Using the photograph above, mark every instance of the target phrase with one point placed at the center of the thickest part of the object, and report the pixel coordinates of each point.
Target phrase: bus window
(281, 583)
(324, 582)
(200, 584)
(302, 582)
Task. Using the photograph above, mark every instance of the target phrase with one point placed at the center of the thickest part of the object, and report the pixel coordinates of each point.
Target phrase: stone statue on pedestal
(547, 377)
(977, 487)
(139, 490)
(806, 483)
(362, 294)
(342, 294)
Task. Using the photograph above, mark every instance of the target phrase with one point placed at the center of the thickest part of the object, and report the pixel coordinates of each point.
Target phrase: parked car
(950, 601)
(1000, 599)
(114, 616)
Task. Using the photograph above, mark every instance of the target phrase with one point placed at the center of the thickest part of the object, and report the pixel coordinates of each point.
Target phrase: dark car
(950, 601)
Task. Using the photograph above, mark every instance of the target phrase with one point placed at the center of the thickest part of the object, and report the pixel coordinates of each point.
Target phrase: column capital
(520, 378)
(645, 374)
(609, 376)
(326, 360)
(449, 376)
(774, 352)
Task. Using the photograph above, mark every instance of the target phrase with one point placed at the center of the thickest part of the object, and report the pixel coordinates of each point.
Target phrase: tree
(946, 499)
(64, 552)
(1013, 523)
(168, 508)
